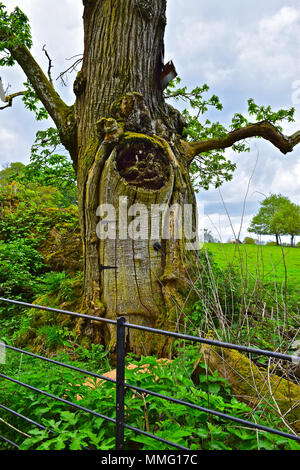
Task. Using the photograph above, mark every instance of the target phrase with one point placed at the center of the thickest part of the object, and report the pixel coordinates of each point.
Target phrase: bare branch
(50, 66)
(70, 69)
(42, 86)
(9, 99)
(261, 129)
(60, 112)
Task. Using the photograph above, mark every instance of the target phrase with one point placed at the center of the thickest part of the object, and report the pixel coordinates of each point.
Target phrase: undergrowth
(68, 428)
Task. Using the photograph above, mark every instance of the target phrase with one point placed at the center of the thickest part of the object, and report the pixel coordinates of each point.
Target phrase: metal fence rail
(121, 385)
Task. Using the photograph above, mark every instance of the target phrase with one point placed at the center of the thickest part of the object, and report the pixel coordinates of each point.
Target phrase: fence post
(120, 386)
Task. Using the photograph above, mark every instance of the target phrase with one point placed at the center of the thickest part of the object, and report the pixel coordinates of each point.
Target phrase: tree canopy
(277, 216)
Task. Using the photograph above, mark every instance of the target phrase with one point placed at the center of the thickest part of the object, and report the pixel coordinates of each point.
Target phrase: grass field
(267, 263)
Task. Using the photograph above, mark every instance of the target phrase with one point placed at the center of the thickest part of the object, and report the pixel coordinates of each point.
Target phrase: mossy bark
(251, 384)
(148, 286)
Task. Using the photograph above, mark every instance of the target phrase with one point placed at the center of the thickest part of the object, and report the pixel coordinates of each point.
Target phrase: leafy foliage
(29, 211)
(209, 167)
(49, 168)
(48, 174)
(32, 102)
(20, 263)
(287, 220)
(68, 428)
(14, 32)
(213, 168)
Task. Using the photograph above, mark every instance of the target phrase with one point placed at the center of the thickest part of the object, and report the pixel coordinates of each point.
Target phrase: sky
(241, 49)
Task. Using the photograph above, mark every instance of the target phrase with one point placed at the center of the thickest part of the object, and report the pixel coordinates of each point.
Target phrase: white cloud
(227, 227)
(278, 24)
(269, 49)
(7, 139)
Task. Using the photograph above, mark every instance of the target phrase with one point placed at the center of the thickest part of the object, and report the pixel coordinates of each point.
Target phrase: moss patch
(252, 384)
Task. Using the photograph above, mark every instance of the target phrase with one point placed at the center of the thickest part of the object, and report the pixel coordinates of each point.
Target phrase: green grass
(266, 263)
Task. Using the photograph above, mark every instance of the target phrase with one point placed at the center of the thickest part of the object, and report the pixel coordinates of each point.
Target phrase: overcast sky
(241, 49)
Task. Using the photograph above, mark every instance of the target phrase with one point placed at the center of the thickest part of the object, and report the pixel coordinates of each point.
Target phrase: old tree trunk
(129, 147)
(126, 144)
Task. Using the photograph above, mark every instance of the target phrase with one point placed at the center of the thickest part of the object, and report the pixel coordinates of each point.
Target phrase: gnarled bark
(121, 116)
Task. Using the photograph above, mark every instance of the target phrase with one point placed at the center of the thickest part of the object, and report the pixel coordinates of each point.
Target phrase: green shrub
(53, 281)
(249, 241)
(20, 264)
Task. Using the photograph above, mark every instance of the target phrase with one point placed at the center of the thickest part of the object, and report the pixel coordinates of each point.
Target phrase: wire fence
(121, 385)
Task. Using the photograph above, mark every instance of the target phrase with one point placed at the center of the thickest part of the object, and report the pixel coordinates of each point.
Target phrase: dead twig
(50, 66)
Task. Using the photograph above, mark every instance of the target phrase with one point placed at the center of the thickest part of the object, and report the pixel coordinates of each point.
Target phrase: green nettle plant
(75, 430)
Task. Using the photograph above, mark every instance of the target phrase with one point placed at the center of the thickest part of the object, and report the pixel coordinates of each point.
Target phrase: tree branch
(45, 91)
(261, 129)
(70, 69)
(62, 114)
(50, 66)
(9, 99)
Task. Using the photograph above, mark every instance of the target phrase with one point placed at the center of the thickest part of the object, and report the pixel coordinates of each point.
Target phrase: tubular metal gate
(121, 384)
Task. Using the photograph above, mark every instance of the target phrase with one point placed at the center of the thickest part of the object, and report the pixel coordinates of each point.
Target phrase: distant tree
(208, 237)
(264, 223)
(249, 241)
(11, 172)
(235, 241)
(287, 220)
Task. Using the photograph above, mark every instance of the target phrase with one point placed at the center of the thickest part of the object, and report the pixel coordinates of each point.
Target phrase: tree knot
(108, 130)
(131, 109)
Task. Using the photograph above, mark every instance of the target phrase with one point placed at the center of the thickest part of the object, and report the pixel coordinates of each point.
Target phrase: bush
(20, 263)
(249, 241)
